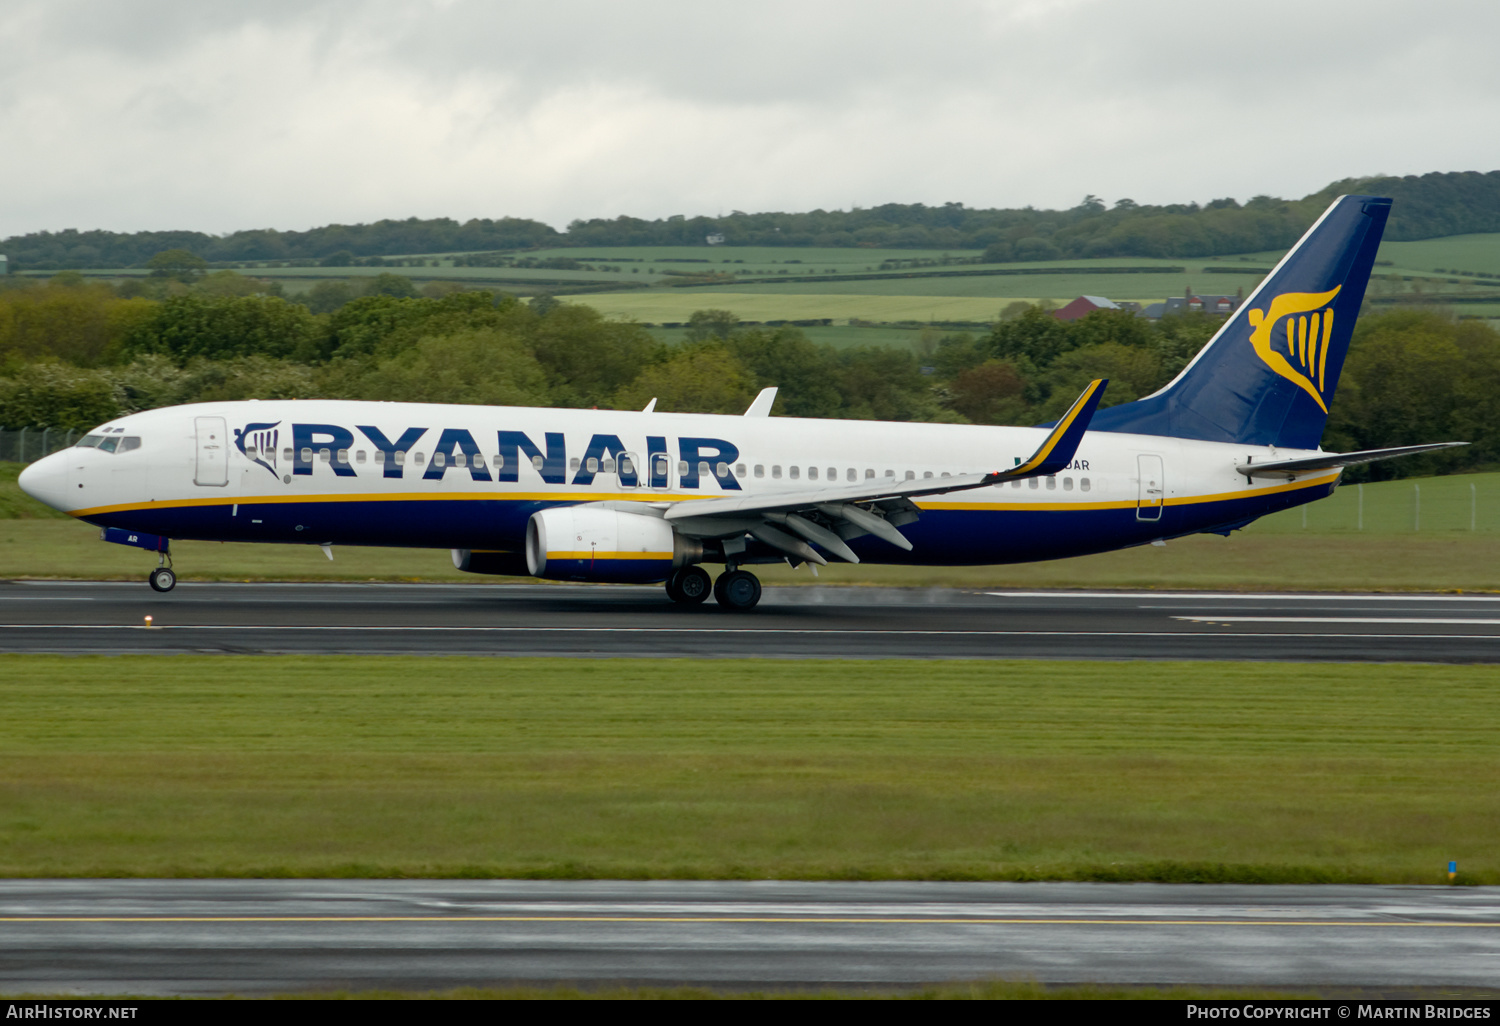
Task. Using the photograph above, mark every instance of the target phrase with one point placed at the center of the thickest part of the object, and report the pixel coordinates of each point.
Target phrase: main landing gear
(736, 590)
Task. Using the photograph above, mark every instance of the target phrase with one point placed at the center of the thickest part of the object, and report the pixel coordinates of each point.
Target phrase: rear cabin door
(1152, 487)
(212, 467)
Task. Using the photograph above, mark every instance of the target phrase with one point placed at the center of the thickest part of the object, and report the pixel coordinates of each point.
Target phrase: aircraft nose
(46, 480)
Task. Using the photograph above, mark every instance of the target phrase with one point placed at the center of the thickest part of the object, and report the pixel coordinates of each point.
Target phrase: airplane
(647, 497)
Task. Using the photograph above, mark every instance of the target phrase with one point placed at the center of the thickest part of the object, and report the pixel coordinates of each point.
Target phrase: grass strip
(536, 768)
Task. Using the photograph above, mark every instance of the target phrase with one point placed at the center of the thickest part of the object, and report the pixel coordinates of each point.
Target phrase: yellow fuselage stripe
(275, 500)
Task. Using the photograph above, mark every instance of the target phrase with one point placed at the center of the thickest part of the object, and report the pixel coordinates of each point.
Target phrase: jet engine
(591, 543)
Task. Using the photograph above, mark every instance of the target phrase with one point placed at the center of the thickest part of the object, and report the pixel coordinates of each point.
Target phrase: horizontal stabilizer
(1330, 460)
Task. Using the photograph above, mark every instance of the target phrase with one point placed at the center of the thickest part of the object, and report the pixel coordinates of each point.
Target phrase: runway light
(148, 621)
(1452, 871)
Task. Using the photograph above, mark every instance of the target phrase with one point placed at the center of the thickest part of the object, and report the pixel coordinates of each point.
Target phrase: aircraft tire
(162, 579)
(738, 590)
(689, 585)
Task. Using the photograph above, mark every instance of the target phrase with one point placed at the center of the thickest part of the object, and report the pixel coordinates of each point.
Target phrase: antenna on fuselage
(651, 406)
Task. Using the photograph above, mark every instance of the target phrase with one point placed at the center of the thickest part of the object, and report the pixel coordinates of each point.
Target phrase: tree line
(74, 354)
(1427, 206)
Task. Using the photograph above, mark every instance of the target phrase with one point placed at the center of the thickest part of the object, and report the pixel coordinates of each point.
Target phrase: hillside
(1428, 206)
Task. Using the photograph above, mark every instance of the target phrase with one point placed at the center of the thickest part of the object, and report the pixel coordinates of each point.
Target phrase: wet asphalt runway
(803, 622)
(267, 936)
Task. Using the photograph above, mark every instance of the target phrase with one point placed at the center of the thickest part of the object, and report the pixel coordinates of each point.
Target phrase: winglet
(1056, 453)
(651, 406)
(761, 407)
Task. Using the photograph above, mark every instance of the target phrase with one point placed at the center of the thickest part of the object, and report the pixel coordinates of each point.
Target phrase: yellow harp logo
(1308, 329)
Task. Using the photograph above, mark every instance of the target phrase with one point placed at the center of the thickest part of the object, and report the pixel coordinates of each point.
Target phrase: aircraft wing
(1329, 460)
(829, 516)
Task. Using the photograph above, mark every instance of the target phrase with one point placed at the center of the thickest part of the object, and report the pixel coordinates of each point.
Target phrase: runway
(268, 936)
(801, 622)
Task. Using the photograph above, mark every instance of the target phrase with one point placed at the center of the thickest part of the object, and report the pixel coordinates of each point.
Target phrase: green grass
(1063, 287)
(838, 335)
(397, 766)
(655, 306)
(1453, 253)
(1276, 553)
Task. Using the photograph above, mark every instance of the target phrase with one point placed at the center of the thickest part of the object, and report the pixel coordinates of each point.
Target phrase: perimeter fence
(27, 445)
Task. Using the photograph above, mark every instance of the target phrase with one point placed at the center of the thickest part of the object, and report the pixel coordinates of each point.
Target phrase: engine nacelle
(587, 543)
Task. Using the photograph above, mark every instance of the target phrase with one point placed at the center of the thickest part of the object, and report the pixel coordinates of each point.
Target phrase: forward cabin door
(1153, 487)
(212, 467)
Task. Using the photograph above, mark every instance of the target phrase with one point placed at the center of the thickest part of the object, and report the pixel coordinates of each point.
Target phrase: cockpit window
(109, 443)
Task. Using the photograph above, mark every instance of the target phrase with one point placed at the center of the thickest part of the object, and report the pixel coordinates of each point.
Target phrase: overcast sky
(224, 115)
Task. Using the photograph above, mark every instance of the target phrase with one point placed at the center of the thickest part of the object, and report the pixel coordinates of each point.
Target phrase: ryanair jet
(645, 497)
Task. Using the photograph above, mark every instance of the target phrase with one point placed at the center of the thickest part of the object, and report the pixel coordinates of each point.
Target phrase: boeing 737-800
(615, 496)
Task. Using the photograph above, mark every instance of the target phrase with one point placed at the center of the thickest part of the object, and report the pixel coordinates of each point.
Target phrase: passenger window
(812, 473)
(703, 470)
(536, 462)
(760, 470)
(1067, 484)
(573, 463)
(869, 473)
(1033, 482)
(379, 455)
(1051, 482)
(682, 468)
(721, 471)
(438, 459)
(499, 461)
(325, 455)
(306, 455)
(460, 460)
(343, 455)
(911, 475)
(130, 442)
(891, 474)
(359, 456)
(418, 458)
(946, 474)
(794, 472)
(1083, 484)
(926, 474)
(400, 457)
(609, 465)
(853, 474)
(250, 452)
(627, 466)
(478, 460)
(286, 455)
(776, 471)
(592, 465)
(833, 473)
(1016, 483)
(739, 470)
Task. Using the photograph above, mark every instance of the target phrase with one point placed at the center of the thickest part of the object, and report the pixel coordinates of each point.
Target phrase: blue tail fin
(1269, 374)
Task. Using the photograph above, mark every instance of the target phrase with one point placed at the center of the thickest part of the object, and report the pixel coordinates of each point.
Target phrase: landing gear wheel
(737, 590)
(689, 585)
(162, 579)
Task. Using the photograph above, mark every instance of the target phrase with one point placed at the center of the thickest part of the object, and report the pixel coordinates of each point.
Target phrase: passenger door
(1153, 489)
(211, 469)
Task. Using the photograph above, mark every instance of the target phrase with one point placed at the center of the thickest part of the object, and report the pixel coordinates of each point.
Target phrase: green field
(1276, 553)
(656, 306)
(403, 766)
